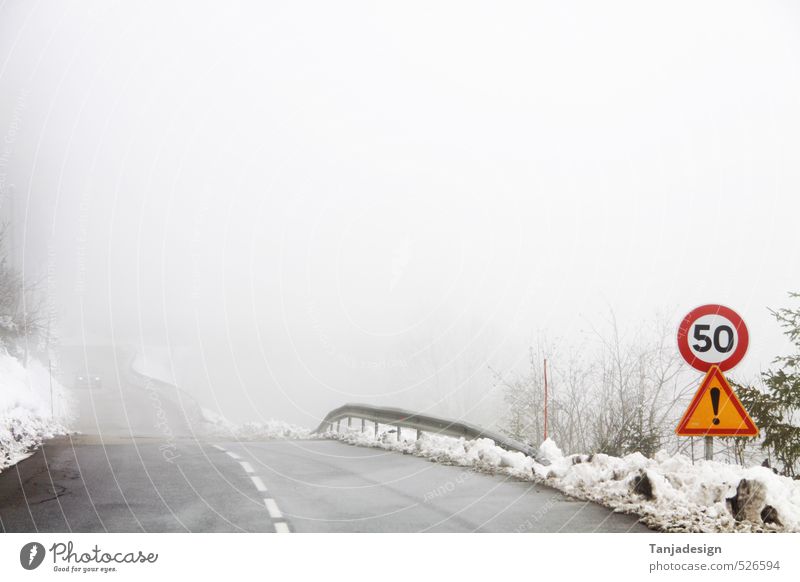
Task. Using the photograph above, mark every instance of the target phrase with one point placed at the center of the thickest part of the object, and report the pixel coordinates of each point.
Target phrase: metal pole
(545, 399)
(363, 425)
(338, 425)
(398, 433)
(709, 448)
(349, 422)
(419, 434)
(691, 443)
(376, 429)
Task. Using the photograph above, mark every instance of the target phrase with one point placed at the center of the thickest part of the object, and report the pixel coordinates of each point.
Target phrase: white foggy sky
(320, 192)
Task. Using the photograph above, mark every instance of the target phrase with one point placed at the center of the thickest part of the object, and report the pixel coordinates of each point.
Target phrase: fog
(309, 203)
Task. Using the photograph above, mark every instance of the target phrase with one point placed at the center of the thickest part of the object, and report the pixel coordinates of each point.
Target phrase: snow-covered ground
(25, 409)
(157, 362)
(685, 497)
(215, 425)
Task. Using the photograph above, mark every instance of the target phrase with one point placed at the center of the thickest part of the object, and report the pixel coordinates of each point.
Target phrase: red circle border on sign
(713, 309)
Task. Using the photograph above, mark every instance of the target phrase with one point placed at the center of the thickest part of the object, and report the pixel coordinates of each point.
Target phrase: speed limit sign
(712, 335)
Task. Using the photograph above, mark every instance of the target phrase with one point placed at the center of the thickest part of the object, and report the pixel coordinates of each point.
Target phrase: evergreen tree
(780, 407)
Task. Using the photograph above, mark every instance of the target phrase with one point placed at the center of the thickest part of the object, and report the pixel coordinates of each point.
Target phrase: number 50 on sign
(712, 335)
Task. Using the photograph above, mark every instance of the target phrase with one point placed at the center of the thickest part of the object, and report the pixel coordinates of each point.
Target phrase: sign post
(713, 339)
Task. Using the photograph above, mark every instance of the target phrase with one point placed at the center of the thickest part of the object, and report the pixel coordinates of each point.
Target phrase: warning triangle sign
(716, 410)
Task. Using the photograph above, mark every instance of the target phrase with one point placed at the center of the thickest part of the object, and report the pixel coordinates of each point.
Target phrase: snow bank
(681, 496)
(216, 425)
(686, 497)
(25, 414)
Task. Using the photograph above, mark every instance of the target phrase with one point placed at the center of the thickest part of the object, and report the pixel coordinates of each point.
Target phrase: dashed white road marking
(272, 507)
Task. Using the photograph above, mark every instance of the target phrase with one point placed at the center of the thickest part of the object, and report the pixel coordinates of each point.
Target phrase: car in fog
(88, 382)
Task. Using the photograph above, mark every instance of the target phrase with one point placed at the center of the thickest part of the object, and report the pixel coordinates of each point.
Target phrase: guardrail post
(363, 425)
(398, 432)
(419, 434)
(376, 429)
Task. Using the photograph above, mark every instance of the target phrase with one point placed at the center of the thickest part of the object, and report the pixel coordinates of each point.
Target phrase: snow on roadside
(25, 417)
(686, 497)
(216, 425)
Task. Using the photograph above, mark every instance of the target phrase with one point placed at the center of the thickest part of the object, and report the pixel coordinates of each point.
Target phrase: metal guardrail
(401, 418)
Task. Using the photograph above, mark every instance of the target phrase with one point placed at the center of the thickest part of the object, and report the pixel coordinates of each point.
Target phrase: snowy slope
(155, 362)
(25, 413)
(686, 497)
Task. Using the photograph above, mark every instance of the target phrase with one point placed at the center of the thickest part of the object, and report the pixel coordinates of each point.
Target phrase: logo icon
(31, 555)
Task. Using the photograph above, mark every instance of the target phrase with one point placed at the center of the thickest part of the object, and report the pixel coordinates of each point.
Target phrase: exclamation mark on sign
(715, 403)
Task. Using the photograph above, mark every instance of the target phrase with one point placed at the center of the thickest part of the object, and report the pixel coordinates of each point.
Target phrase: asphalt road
(81, 484)
(124, 402)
